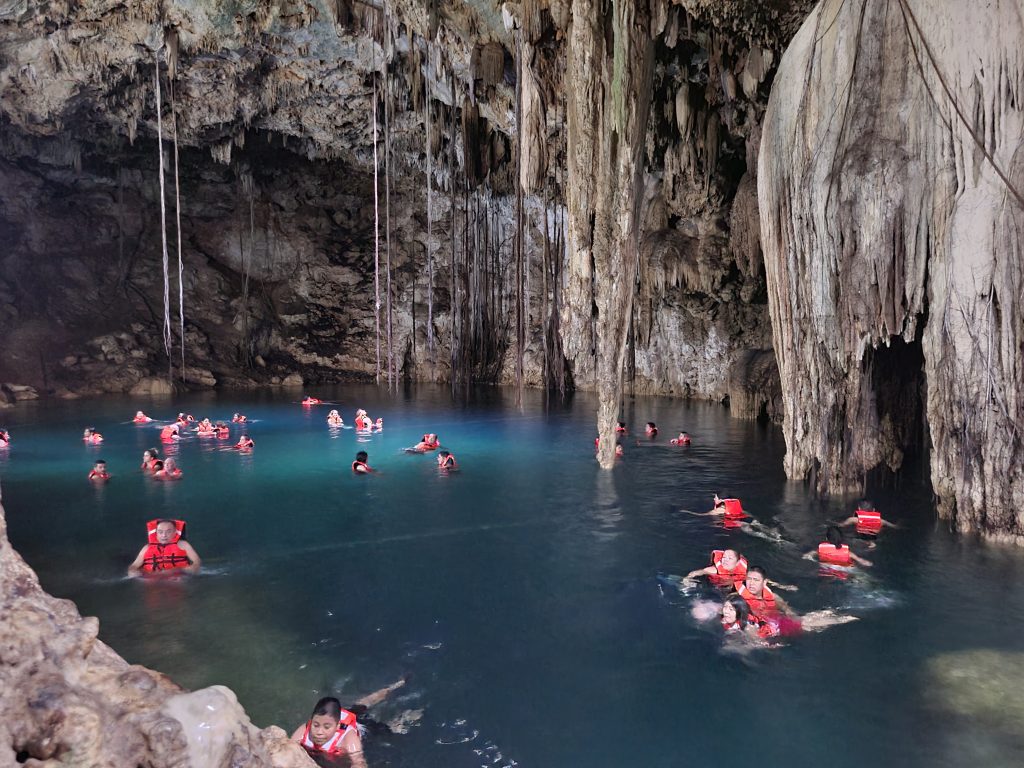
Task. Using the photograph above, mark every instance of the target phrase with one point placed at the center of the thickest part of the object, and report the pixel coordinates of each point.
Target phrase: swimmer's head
(165, 531)
(618, 450)
(139, 414)
(834, 536)
(651, 427)
(101, 465)
(730, 559)
(362, 456)
(866, 504)
(88, 431)
(148, 455)
(169, 465)
(324, 721)
(736, 608)
(755, 579)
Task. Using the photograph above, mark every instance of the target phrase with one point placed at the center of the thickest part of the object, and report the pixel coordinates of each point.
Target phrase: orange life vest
(829, 554)
(760, 606)
(164, 557)
(869, 521)
(448, 462)
(364, 423)
(141, 419)
(361, 467)
(94, 475)
(169, 434)
(333, 745)
(733, 509)
(724, 575)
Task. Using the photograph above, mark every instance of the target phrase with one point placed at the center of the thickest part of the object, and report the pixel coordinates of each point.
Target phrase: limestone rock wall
(69, 699)
(890, 182)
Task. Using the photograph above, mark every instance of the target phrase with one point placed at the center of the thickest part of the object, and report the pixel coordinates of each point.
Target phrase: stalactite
(520, 323)
(452, 301)
(387, 219)
(430, 220)
(376, 233)
(177, 211)
(163, 215)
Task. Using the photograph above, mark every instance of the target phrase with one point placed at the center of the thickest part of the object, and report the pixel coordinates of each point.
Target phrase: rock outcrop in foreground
(66, 698)
(890, 192)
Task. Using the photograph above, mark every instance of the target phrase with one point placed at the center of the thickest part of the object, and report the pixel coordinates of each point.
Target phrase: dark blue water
(520, 595)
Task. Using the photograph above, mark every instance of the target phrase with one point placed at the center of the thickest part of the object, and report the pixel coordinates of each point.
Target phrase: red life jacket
(829, 554)
(363, 422)
(141, 420)
(223, 433)
(759, 606)
(164, 557)
(869, 521)
(733, 509)
(448, 462)
(245, 444)
(333, 745)
(168, 474)
(365, 467)
(724, 575)
(94, 439)
(169, 434)
(94, 475)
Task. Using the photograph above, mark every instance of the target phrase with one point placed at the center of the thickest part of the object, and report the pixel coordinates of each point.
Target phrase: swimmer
(222, 430)
(184, 420)
(651, 430)
(167, 470)
(204, 428)
(359, 466)
(620, 427)
(333, 730)
(730, 509)
(169, 433)
(99, 471)
(737, 621)
(682, 439)
(363, 423)
(141, 418)
(149, 458)
(619, 450)
(245, 443)
(762, 601)
(311, 400)
(446, 461)
(334, 419)
(728, 567)
(430, 442)
(5, 438)
(239, 418)
(91, 436)
(378, 425)
(833, 551)
(869, 522)
(167, 549)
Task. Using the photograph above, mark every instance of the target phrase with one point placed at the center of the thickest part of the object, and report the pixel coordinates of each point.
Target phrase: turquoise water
(521, 595)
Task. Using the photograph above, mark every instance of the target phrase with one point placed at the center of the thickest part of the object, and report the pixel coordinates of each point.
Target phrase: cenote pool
(521, 596)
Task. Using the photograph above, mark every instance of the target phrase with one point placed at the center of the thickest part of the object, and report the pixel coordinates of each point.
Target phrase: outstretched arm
(848, 521)
(708, 571)
(860, 560)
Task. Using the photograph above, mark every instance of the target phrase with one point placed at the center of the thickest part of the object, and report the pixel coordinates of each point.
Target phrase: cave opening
(894, 374)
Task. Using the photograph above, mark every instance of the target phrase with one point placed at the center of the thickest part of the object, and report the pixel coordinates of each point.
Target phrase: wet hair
(652, 425)
(757, 569)
(362, 456)
(101, 461)
(329, 706)
(741, 607)
(158, 465)
(445, 454)
(620, 424)
(153, 453)
(867, 504)
(834, 536)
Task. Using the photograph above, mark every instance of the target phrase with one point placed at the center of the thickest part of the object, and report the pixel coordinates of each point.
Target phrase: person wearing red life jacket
(620, 427)
(737, 620)
(868, 522)
(239, 418)
(245, 443)
(5, 438)
(833, 551)
(311, 400)
(359, 466)
(682, 439)
(99, 471)
(446, 461)
(223, 430)
(166, 550)
(91, 436)
(729, 509)
(651, 430)
(363, 423)
(166, 470)
(762, 601)
(430, 442)
(169, 434)
(141, 418)
(728, 567)
(149, 459)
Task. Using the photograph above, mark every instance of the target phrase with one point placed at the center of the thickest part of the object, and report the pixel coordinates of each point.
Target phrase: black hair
(652, 425)
(741, 607)
(444, 454)
(362, 456)
(620, 423)
(101, 461)
(328, 705)
(866, 504)
(834, 536)
(158, 465)
(757, 569)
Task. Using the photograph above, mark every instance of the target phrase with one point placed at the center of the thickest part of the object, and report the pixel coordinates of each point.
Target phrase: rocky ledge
(66, 698)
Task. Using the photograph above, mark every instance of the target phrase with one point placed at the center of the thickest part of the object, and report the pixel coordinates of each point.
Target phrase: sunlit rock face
(890, 202)
(273, 110)
(66, 698)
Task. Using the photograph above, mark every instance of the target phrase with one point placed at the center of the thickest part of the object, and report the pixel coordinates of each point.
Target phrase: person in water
(245, 443)
(446, 461)
(430, 442)
(239, 418)
(682, 439)
(651, 429)
(167, 470)
(763, 602)
(363, 423)
(834, 551)
(311, 400)
(99, 471)
(334, 730)
(169, 434)
(869, 522)
(378, 425)
(334, 419)
(620, 427)
(729, 509)
(728, 568)
(141, 418)
(91, 436)
(5, 438)
(149, 458)
(359, 466)
(166, 550)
